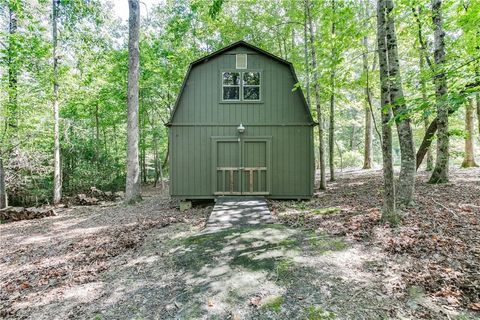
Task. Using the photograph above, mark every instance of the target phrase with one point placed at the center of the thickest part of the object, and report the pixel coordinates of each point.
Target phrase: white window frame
(239, 85)
(259, 86)
(241, 99)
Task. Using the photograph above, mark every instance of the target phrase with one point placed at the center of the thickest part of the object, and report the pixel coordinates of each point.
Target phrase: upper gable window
(241, 61)
(251, 86)
(241, 86)
(231, 86)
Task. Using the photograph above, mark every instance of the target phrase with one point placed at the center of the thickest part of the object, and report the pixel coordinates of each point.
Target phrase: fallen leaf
(474, 306)
(25, 285)
(255, 301)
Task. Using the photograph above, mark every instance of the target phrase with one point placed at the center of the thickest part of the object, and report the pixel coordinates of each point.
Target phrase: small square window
(231, 93)
(251, 93)
(231, 78)
(251, 78)
(241, 61)
(251, 86)
(231, 86)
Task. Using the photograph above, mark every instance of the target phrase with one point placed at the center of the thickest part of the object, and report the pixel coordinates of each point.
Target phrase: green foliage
(93, 77)
(273, 303)
(317, 313)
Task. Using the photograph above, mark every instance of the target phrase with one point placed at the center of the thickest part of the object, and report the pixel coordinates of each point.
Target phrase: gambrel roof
(234, 45)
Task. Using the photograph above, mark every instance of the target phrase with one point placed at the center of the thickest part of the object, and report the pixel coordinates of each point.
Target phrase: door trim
(214, 144)
(268, 143)
(241, 141)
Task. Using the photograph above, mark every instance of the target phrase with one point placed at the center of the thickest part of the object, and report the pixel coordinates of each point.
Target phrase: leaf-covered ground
(328, 258)
(432, 259)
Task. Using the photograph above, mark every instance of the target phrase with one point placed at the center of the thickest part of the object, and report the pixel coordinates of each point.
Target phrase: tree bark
(316, 89)
(57, 175)
(3, 191)
(367, 155)
(97, 135)
(469, 160)
(423, 87)
(12, 69)
(406, 185)
(167, 157)
(133, 189)
(428, 138)
(331, 127)
(307, 62)
(389, 211)
(477, 98)
(429, 166)
(440, 172)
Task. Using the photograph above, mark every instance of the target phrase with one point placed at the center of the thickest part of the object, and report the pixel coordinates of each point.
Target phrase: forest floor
(327, 258)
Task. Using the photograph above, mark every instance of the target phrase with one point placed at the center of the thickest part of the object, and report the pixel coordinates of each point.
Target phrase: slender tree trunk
(469, 160)
(367, 155)
(57, 175)
(316, 89)
(423, 87)
(12, 107)
(144, 163)
(307, 61)
(155, 160)
(331, 127)
(440, 172)
(3, 191)
(389, 211)
(158, 163)
(133, 189)
(12, 69)
(165, 161)
(97, 135)
(406, 186)
(477, 98)
(352, 137)
(429, 166)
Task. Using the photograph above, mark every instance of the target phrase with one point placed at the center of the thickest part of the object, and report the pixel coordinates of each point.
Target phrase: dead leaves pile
(73, 263)
(439, 236)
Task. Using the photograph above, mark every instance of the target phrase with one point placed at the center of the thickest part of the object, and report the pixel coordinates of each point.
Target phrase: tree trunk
(132, 189)
(477, 98)
(12, 69)
(316, 89)
(429, 166)
(406, 186)
(144, 163)
(307, 61)
(423, 87)
(440, 172)
(3, 187)
(165, 162)
(469, 160)
(57, 175)
(331, 127)
(97, 135)
(389, 211)
(352, 137)
(367, 155)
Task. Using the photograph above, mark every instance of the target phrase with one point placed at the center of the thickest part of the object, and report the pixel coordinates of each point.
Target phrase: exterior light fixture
(241, 128)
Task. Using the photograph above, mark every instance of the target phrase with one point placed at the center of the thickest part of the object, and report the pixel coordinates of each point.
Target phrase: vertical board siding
(280, 115)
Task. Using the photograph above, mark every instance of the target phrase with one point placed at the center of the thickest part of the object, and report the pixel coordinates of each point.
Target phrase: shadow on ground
(262, 272)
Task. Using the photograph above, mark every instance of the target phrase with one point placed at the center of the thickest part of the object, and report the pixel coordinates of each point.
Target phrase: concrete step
(235, 212)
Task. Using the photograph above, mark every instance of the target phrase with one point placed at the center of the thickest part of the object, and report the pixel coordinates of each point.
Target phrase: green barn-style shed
(239, 127)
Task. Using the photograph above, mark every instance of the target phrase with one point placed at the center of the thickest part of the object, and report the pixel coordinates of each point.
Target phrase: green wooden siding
(281, 116)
